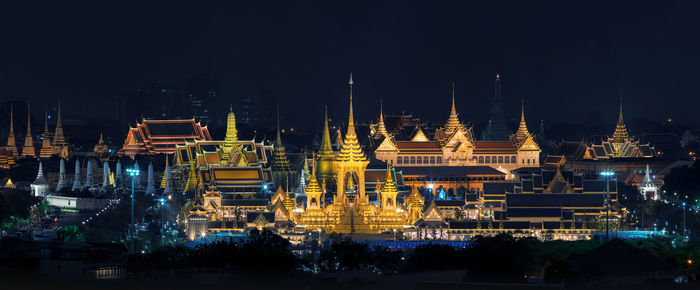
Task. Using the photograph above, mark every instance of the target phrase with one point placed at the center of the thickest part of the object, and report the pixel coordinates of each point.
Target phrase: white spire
(89, 176)
(62, 182)
(76, 182)
(105, 174)
(150, 187)
(137, 179)
(118, 174)
(40, 179)
(350, 82)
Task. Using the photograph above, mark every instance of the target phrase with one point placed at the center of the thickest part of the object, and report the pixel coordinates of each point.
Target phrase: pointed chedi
(28, 149)
(46, 150)
(105, 174)
(62, 178)
(11, 146)
(77, 185)
(59, 142)
(150, 184)
(381, 128)
(325, 153)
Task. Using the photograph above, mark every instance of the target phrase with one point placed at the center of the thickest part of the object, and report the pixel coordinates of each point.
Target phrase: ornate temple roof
(11, 147)
(453, 120)
(28, 148)
(161, 136)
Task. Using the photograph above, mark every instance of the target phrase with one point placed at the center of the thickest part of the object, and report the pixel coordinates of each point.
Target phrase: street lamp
(162, 221)
(684, 231)
(607, 174)
(133, 172)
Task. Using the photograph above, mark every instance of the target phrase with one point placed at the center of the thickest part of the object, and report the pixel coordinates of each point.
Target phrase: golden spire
(620, 135)
(326, 147)
(522, 132)
(351, 150)
(11, 146)
(163, 181)
(278, 141)
(381, 128)
(313, 186)
(389, 185)
(58, 140)
(28, 149)
(453, 120)
(46, 150)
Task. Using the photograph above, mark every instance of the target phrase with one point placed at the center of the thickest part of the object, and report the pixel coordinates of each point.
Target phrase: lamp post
(684, 231)
(133, 172)
(607, 174)
(162, 221)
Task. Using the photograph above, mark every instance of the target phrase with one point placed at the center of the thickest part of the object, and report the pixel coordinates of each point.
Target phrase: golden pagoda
(389, 216)
(28, 149)
(381, 127)
(620, 136)
(231, 151)
(11, 146)
(325, 154)
(100, 148)
(46, 150)
(59, 144)
(351, 159)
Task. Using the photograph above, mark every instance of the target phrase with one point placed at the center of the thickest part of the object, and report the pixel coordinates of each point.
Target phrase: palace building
(454, 145)
(152, 137)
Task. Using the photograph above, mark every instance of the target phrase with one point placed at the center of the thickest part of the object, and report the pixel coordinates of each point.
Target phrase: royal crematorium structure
(460, 188)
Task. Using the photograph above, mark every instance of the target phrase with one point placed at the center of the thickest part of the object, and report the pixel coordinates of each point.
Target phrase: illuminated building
(454, 145)
(238, 167)
(152, 137)
(619, 145)
(647, 187)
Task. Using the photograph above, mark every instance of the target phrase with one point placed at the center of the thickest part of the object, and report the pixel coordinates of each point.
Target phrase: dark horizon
(564, 60)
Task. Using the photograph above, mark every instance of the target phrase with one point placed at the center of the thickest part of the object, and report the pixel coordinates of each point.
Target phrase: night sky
(562, 57)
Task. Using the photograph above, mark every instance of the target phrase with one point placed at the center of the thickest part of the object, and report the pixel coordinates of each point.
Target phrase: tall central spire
(28, 149)
(351, 150)
(351, 121)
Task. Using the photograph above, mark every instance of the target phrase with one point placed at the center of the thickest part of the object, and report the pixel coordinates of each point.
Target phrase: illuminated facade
(619, 145)
(455, 145)
(152, 137)
(239, 167)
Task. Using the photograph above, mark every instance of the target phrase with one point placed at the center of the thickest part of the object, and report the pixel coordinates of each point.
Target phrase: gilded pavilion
(619, 145)
(236, 167)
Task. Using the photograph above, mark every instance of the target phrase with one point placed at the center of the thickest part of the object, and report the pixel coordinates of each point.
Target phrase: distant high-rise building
(255, 111)
(496, 129)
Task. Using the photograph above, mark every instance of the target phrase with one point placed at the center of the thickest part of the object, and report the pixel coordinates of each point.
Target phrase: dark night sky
(563, 57)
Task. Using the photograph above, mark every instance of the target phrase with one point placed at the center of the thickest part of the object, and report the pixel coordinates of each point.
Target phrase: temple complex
(152, 137)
